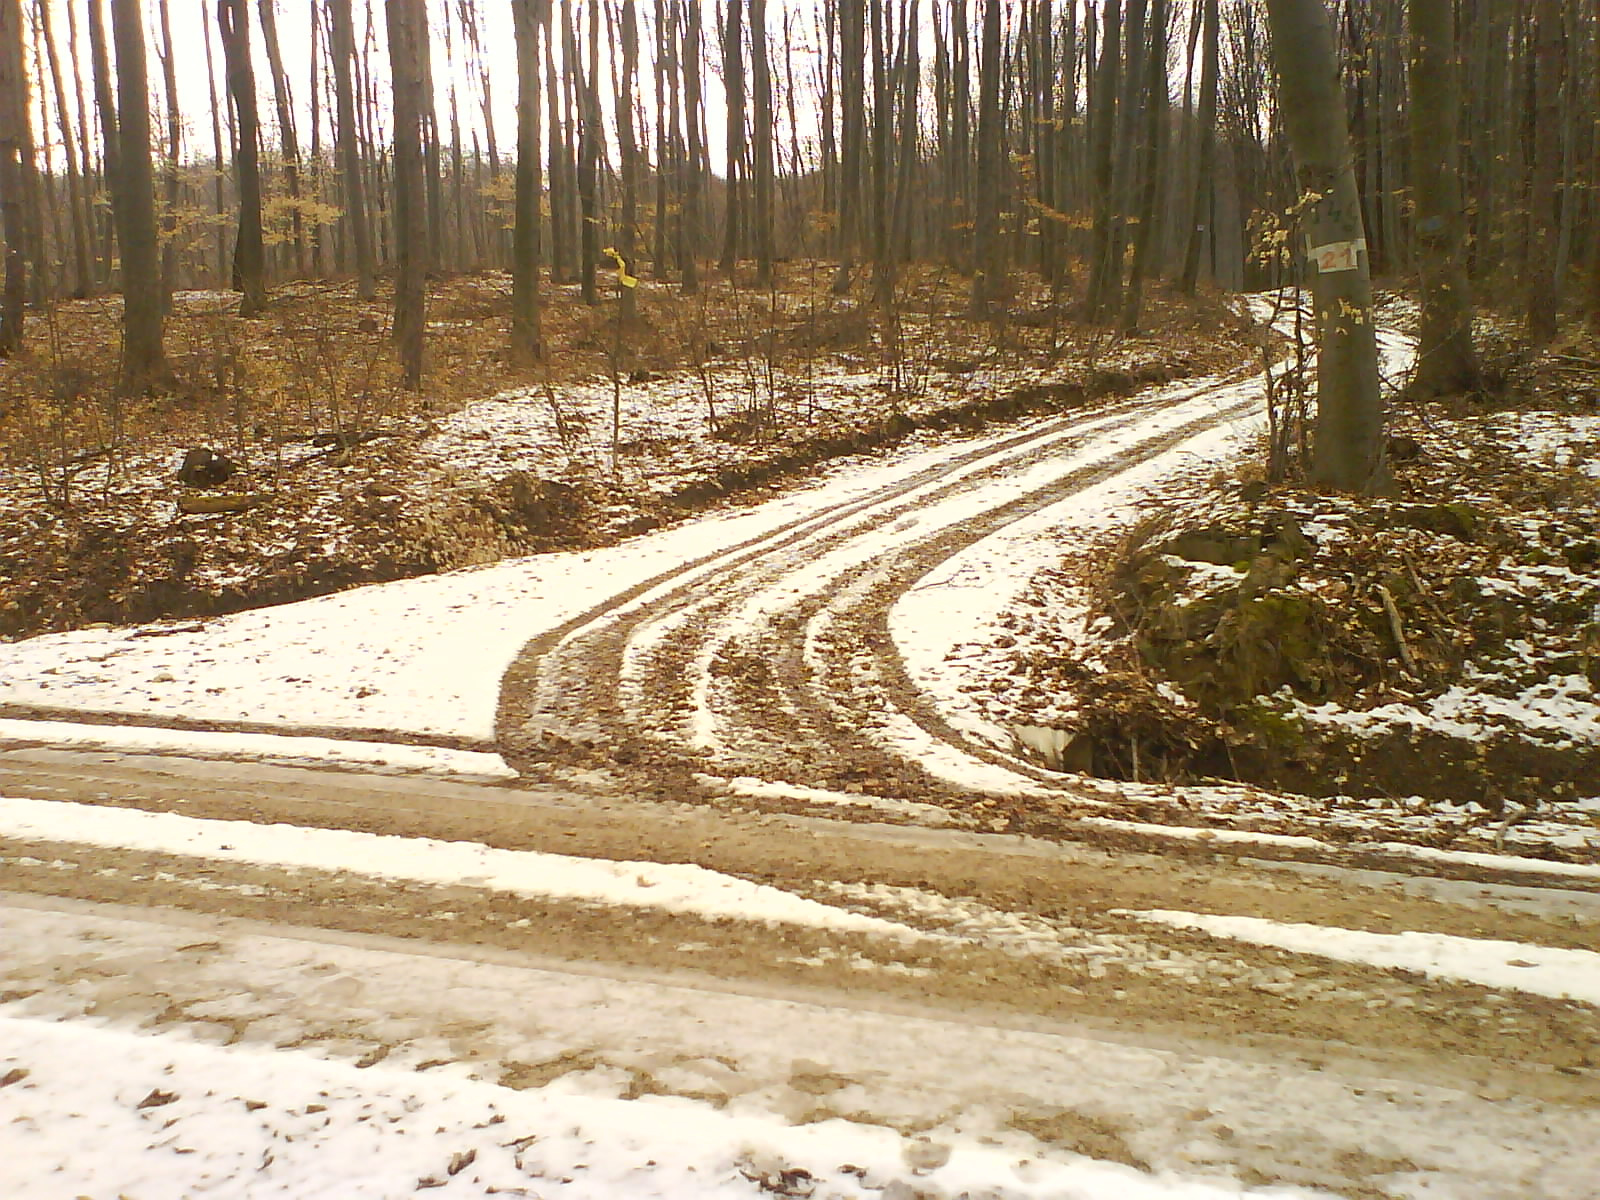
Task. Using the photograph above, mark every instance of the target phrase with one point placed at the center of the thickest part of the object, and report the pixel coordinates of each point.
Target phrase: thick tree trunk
(407, 20)
(525, 332)
(144, 363)
(1348, 452)
(1152, 166)
(1446, 362)
(249, 254)
(853, 131)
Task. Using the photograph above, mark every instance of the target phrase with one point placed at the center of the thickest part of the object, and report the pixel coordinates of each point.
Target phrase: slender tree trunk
(13, 126)
(987, 268)
(144, 362)
(763, 133)
(1103, 117)
(559, 155)
(217, 169)
(407, 21)
(589, 137)
(1348, 454)
(1151, 165)
(1446, 362)
(1200, 211)
(529, 17)
(628, 150)
(83, 281)
(1544, 277)
(733, 86)
(111, 140)
(169, 165)
(692, 167)
(882, 171)
(249, 255)
(288, 139)
(853, 128)
(343, 45)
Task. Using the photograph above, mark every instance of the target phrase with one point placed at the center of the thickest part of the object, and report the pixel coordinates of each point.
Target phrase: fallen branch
(1396, 630)
(190, 506)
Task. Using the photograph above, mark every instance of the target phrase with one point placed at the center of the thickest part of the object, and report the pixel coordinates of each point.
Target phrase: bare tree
(987, 264)
(144, 363)
(407, 22)
(1446, 361)
(762, 137)
(343, 46)
(13, 127)
(249, 252)
(529, 16)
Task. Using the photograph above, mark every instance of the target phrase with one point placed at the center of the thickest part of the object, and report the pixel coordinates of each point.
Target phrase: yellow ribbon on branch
(626, 280)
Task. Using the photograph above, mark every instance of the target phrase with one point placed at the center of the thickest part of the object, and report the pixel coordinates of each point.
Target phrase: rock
(203, 467)
(1403, 448)
(922, 1154)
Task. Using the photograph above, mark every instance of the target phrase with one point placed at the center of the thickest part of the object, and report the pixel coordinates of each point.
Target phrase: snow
(672, 887)
(265, 747)
(169, 1117)
(1559, 973)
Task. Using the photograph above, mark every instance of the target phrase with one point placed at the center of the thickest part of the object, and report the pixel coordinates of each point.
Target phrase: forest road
(949, 974)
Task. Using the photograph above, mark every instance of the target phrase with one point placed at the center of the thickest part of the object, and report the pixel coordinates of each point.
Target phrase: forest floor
(339, 476)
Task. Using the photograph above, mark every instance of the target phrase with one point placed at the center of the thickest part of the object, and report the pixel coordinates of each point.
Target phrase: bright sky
(192, 18)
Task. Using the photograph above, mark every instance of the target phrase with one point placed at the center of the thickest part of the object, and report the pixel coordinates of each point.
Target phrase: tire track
(773, 658)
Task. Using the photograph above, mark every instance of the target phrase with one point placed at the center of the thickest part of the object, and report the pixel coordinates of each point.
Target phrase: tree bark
(733, 86)
(287, 137)
(628, 150)
(83, 280)
(525, 333)
(762, 132)
(692, 175)
(1203, 204)
(249, 253)
(987, 267)
(144, 363)
(407, 25)
(1544, 277)
(13, 124)
(343, 45)
(1446, 361)
(1348, 452)
(1103, 120)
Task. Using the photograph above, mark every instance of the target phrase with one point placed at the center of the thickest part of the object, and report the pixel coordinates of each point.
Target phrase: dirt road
(1016, 935)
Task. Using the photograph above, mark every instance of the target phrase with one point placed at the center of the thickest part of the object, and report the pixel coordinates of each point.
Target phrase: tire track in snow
(773, 658)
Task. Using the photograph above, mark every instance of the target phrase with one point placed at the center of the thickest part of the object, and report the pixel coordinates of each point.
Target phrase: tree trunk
(169, 165)
(289, 141)
(692, 176)
(249, 254)
(343, 45)
(13, 124)
(1544, 277)
(1151, 165)
(1103, 119)
(853, 128)
(882, 171)
(1446, 362)
(144, 362)
(219, 203)
(987, 268)
(589, 137)
(106, 105)
(407, 21)
(1348, 453)
(525, 333)
(763, 132)
(733, 86)
(628, 151)
(1202, 207)
(83, 280)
